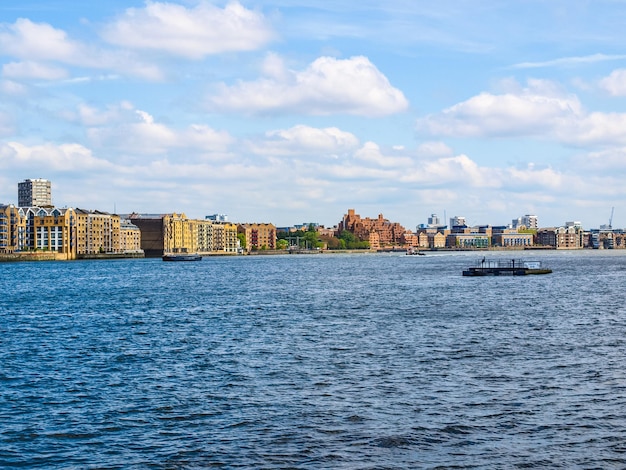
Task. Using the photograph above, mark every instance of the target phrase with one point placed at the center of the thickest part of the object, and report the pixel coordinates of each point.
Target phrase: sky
(293, 111)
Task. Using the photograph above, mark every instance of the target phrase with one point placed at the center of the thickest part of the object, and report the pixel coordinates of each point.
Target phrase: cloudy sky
(293, 111)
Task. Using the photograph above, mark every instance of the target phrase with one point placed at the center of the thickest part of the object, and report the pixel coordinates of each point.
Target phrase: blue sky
(295, 111)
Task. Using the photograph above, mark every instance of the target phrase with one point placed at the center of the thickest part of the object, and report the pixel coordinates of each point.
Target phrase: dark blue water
(321, 361)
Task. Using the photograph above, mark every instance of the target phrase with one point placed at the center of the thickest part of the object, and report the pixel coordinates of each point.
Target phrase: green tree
(352, 242)
(242, 240)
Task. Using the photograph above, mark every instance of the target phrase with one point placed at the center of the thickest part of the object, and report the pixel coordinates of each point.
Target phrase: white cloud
(459, 169)
(91, 116)
(371, 153)
(327, 86)
(434, 149)
(50, 157)
(302, 139)
(38, 41)
(593, 130)
(615, 83)
(533, 111)
(38, 45)
(570, 61)
(136, 132)
(193, 33)
(539, 110)
(31, 69)
(12, 88)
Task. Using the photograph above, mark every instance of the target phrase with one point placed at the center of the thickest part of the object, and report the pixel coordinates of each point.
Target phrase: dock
(506, 268)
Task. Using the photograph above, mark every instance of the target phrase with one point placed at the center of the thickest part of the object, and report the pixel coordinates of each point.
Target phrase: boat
(506, 268)
(182, 257)
(413, 251)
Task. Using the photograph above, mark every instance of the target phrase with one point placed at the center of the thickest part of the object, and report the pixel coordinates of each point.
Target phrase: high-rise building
(530, 221)
(457, 221)
(34, 193)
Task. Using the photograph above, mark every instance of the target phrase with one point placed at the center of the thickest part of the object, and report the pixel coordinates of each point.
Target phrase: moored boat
(182, 257)
(506, 268)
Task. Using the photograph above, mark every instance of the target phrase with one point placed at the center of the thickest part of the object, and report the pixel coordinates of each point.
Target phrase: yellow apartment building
(97, 232)
(180, 234)
(225, 238)
(130, 237)
(49, 229)
(12, 226)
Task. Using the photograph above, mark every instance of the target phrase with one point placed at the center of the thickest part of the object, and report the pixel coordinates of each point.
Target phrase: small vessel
(506, 268)
(412, 251)
(182, 257)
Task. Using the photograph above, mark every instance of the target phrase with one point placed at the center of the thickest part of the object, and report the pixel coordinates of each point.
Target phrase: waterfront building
(12, 227)
(180, 234)
(225, 239)
(258, 236)
(48, 229)
(470, 240)
(97, 232)
(513, 239)
(411, 239)
(437, 240)
(175, 233)
(327, 232)
(34, 193)
(568, 237)
(130, 237)
(389, 233)
(205, 235)
(152, 233)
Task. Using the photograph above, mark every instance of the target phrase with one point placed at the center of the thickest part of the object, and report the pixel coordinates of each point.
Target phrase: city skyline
(26, 189)
(290, 111)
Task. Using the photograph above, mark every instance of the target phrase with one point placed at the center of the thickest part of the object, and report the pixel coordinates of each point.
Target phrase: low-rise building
(568, 237)
(130, 237)
(258, 236)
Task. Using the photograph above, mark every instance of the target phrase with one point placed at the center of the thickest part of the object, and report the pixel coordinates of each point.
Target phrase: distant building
(569, 237)
(12, 226)
(258, 236)
(47, 229)
(388, 233)
(97, 232)
(217, 217)
(528, 221)
(457, 220)
(434, 221)
(34, 193)
(130, 237)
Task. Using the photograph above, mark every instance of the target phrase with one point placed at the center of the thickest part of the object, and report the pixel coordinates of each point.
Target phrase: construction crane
(611, 218)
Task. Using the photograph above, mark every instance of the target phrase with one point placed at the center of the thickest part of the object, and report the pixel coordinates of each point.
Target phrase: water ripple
(329, 361)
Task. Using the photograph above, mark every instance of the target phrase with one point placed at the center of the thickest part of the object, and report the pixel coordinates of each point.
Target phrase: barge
(181, 257)
(506, 268)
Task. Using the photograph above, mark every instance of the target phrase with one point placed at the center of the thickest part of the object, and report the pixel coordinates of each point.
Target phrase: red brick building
(387, 233)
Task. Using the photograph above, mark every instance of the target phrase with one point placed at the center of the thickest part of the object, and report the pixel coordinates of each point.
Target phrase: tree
(242, 240)
(352, 242)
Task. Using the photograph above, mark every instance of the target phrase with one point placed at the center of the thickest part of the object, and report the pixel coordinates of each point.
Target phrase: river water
(321, 361)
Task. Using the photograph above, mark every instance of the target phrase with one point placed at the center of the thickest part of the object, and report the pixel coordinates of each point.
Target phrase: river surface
(313, 361)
